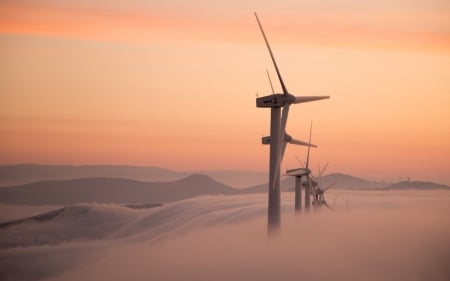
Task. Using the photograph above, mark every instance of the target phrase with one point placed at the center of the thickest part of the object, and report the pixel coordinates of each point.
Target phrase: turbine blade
(313, 178)
(330, 186)
(299, 142)
(334, 201)
(310, 185)
(270, 81)
(309, 98)
(320, 179)
(299, 161)
(284, 117)
(323, 170)
(285, 91)
(283, 131)
(307, 157)
(313, 190)
(283, 149)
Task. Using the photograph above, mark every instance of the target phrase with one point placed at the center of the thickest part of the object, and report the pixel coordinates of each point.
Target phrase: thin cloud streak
(106, 24)
(415, 31)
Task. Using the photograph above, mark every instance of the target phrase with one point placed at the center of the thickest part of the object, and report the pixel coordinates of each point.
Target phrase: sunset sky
(173, 83)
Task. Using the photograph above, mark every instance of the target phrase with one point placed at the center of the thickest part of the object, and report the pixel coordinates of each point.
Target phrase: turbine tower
(278, 122)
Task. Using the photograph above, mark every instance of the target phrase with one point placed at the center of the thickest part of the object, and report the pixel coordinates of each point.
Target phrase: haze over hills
(338, 180)
(28, 173)
(416, 185)
(249, 181)
(128, 191)
(111, 190)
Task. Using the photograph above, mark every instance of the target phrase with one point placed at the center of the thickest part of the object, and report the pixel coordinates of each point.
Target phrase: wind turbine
(278, 122)
(313, 185)
(299, 173)
(287, 138)
(319, 193)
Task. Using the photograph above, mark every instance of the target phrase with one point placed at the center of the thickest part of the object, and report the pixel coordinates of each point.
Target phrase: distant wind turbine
(278, 122)
(299, 173)
(313, 185)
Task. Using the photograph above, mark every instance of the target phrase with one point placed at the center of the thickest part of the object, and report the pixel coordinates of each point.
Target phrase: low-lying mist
(370, 236)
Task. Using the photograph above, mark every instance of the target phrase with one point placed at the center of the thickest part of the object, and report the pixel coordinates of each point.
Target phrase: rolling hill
(343, 181)
(417, 185)
(29, 173)
(111, 190)
(340, 181)
(130, 191)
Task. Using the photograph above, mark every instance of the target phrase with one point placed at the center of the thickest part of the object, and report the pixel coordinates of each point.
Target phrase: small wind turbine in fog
(319, 190)
(299, 174)
(278, 122)
(313, 185)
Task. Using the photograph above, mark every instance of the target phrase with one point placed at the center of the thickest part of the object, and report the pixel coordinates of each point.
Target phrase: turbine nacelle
(275, 100)
(299, 172)
(288, 139)
(280, 100)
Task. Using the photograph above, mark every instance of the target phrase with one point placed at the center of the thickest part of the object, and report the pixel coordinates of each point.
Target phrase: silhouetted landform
(417, 185)
(349, 182)
(71, 223)
(28, 173)
(285, 185)
(235, 178)
(111, 190)
(139, 194)
(143, 206)
(343, 181)
(37, 218)
(338, 180)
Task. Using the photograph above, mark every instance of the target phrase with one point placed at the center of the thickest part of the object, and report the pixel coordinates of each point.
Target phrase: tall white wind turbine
(287, 138)
(278, 122)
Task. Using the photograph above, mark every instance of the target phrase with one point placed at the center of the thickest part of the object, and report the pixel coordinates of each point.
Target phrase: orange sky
(173, 84)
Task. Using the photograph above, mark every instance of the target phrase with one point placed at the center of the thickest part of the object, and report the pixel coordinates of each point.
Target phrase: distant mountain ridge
(338, 180)
(29, 173)
(111, 190)
(115, 189)
(343, 181)
(422, 185)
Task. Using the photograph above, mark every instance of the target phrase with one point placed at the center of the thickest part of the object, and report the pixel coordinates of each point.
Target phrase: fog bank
(370, 236)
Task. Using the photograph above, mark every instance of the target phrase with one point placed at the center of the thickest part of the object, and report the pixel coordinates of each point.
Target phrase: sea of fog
(370, 235)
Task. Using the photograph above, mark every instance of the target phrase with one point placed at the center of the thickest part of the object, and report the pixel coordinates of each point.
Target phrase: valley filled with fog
(369, 235)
